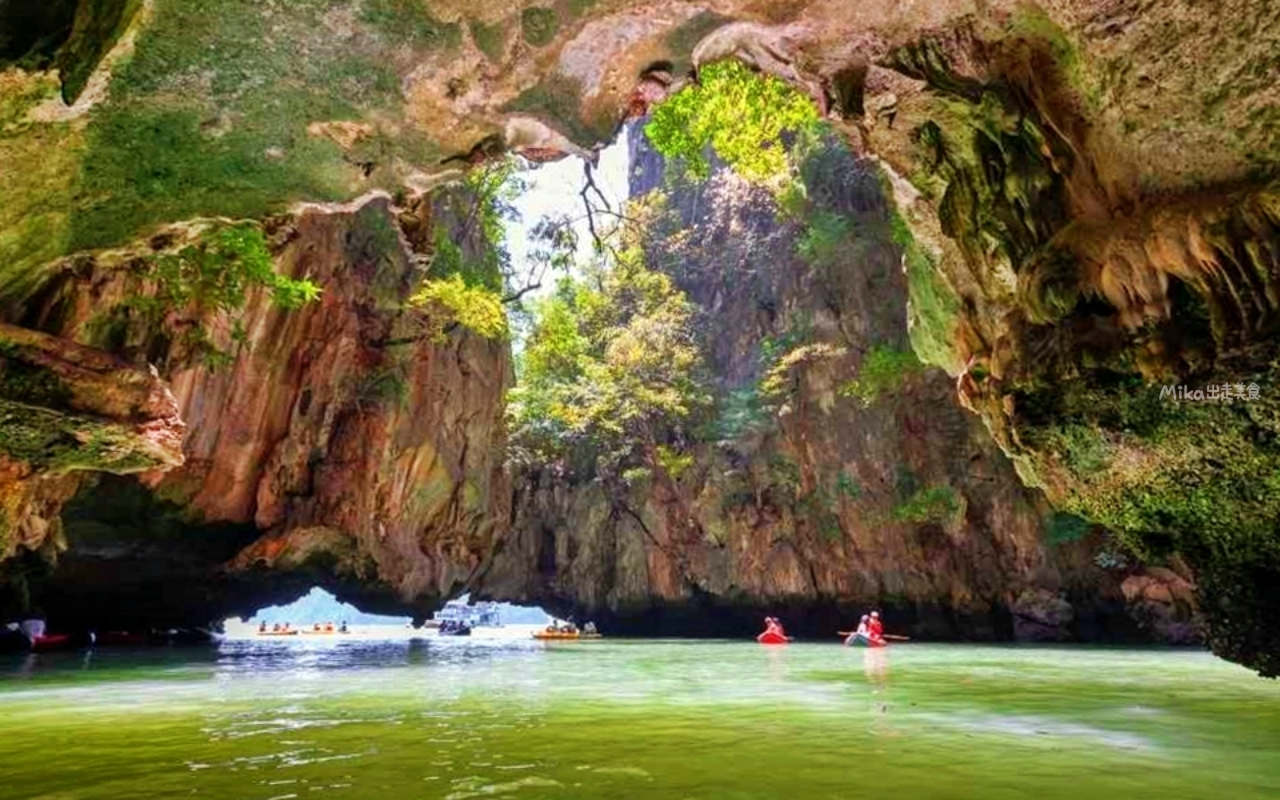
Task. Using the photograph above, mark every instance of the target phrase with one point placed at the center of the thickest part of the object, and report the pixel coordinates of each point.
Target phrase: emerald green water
(521, 720)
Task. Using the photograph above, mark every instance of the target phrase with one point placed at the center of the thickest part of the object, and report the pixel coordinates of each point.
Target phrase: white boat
(478, 615)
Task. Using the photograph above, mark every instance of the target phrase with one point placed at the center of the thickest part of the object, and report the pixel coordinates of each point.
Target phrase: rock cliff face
(1101, 249)
(1087, 195)
(338, 444)
(66, 410)
(808, 497)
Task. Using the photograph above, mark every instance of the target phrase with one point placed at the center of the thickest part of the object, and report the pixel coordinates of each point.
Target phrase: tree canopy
(740, 114)
(611, 360)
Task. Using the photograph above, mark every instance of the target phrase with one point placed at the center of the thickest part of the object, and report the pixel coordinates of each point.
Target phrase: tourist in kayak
(773, 633)
(863, 631)
(875, 628)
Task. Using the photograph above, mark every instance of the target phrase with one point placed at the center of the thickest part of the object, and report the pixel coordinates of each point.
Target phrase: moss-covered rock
(97, 26)
(539, 25)
(1200, 478)
(1078, 296)
(58, 443)
(491, 39)
(24, 382)
(559, 100)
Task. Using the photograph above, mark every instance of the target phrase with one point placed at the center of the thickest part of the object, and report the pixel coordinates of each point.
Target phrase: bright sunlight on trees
(612, 361)
(740, 114)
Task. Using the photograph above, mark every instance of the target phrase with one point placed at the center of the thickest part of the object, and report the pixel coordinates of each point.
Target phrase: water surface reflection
(455, 719)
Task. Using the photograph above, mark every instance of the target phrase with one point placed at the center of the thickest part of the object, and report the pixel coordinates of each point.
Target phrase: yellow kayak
(560, 636)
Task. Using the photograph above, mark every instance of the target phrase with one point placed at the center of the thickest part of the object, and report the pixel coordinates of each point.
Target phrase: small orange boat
(563, 636)
(288, 632)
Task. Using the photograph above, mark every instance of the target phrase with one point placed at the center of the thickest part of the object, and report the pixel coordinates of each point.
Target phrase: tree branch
(515, 296)
(589, 186)
(588, 173)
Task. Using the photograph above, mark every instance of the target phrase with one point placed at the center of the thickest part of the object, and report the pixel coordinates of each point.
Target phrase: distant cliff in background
(837, 474)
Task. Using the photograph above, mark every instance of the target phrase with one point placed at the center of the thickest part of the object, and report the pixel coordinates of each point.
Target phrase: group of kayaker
(569, 626)
(288, 629)
(870, 632)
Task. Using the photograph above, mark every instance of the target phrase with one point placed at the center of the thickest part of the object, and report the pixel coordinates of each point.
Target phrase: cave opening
(320, 612)
(555, 216)
(659, 384)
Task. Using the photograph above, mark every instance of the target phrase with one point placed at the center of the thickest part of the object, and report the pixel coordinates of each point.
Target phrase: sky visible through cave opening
(554, 189)
(319, 606)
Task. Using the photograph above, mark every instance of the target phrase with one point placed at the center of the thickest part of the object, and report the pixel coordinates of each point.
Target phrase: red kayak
(57, 641)
(772, 637)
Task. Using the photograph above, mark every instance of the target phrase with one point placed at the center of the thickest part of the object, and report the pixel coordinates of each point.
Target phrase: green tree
(470, 276)
(611, 362)
(451, 301)
(740, 114)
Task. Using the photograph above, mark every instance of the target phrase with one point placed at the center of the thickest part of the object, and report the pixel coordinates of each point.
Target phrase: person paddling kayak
(875, 628)
(773, 632)
(860, 633)
(870, 632)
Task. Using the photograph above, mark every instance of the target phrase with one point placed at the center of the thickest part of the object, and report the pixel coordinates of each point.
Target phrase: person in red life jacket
(773, 626)
(875, 628)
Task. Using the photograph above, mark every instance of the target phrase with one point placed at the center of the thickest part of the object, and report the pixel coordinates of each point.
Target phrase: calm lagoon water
(456, 719)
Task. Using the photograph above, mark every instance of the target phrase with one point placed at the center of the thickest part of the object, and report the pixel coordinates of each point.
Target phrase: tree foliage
(882, 371)
(216, 273)
(740, 114)
(470, 266)
(611, 362)
(452, 301)
(197, 284)
(470, 237)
